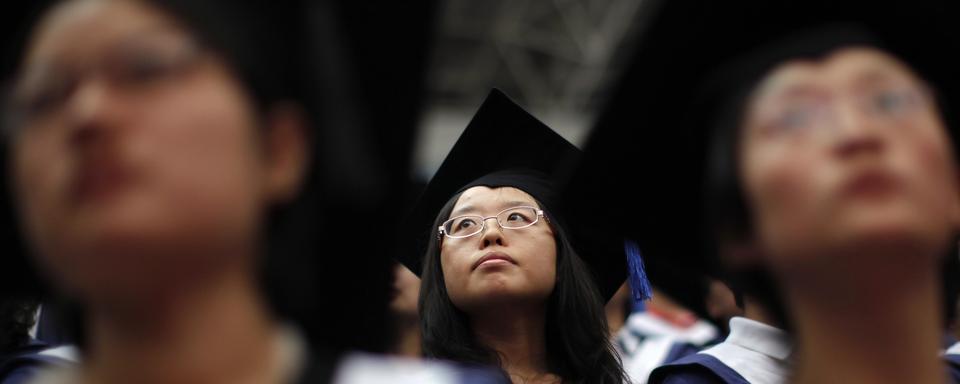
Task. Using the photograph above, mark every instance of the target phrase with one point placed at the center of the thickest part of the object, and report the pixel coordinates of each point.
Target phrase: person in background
(147, 148)
(657, 332)
(503, 283)
(828, 132)
(22, 355)
(405, 315)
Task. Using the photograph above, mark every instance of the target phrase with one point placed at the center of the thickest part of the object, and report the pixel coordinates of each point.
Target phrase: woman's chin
(881, 239)
(486, 294)
(893, 231)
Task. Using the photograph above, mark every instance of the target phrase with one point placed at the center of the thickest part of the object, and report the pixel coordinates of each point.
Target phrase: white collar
(760, 337)
(758, 352)
(954, 349)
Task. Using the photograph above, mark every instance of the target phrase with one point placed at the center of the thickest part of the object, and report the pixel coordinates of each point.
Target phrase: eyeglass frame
(919, 95)
(441, 233)
(15, 103)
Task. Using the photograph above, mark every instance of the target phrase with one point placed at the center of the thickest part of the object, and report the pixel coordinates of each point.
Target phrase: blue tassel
(637, 275)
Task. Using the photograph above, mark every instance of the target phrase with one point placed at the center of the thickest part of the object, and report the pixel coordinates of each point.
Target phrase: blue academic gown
(752, 352)
(953, 366)
(22, 365)
(647, 341)
(702, 368)
(698, 368)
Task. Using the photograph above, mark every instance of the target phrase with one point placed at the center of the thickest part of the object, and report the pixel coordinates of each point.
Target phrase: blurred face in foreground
(845, 159)
(140, 160)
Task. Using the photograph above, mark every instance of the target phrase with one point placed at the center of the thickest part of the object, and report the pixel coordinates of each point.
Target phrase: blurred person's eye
(797, 116)
(129, 67)
(146, 62)
(44, 95)
(893, 101)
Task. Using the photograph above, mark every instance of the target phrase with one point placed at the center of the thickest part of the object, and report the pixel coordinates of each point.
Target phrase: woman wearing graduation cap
(504, 281)
(832, 165)
(149, 141)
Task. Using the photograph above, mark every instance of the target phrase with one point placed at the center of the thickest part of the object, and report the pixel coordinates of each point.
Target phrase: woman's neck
(881, 324)
(215, 331)
(518, 336)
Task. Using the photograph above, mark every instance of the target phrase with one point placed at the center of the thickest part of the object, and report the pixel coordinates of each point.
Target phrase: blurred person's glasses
(888, 104)
(510, 218)
(129, 68)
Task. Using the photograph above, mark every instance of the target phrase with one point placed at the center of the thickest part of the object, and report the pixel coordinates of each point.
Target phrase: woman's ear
(286, 151)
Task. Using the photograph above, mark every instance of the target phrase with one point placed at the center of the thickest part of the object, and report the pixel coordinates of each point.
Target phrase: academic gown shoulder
(698, 368)
(22, 365)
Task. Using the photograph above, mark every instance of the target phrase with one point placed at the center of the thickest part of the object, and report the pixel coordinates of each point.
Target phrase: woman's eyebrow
(461, 210)
(516, 203)
(877, 74)
(503, 205)
(780, 89)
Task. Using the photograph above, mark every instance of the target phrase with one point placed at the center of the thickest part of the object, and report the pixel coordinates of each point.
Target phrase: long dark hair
(578, 348)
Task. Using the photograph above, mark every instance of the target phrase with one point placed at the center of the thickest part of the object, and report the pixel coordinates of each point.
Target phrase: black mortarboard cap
(503, 145)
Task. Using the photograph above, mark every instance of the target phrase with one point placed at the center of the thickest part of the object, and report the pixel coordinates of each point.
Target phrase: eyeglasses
(510, 218)
(887, 104)
(132, 66)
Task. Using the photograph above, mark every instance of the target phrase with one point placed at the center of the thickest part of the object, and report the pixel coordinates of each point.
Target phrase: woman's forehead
(844, 66)
(483, 198)
(75, 27)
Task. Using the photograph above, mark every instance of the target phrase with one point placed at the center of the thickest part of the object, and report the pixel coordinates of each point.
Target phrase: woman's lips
(494, 257)
(871, 183)
(99, 178)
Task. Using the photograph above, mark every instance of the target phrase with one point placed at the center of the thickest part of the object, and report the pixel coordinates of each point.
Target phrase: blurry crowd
(221, 192)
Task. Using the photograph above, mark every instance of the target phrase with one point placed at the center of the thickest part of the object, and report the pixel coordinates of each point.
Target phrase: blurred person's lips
(494, 257)
(98, 177)
(874, 182)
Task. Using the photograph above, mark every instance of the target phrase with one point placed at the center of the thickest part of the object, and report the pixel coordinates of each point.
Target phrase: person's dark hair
(729, 220)
(578, 348)
(17, 316)
(263, 43)
(259, 40)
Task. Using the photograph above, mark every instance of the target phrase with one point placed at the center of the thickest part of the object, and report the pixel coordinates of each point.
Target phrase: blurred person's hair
(17, 316)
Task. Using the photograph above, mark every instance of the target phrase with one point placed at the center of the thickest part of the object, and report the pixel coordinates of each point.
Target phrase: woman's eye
(516, 217)
(891, 101)
(143, 68)
(42, 100)
(465, 223)
(143, 63)
(795, 118)
(44, 97)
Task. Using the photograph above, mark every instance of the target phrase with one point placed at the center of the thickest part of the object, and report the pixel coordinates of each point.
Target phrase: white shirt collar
(758, 352)
(954, 349)
(760, 337)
